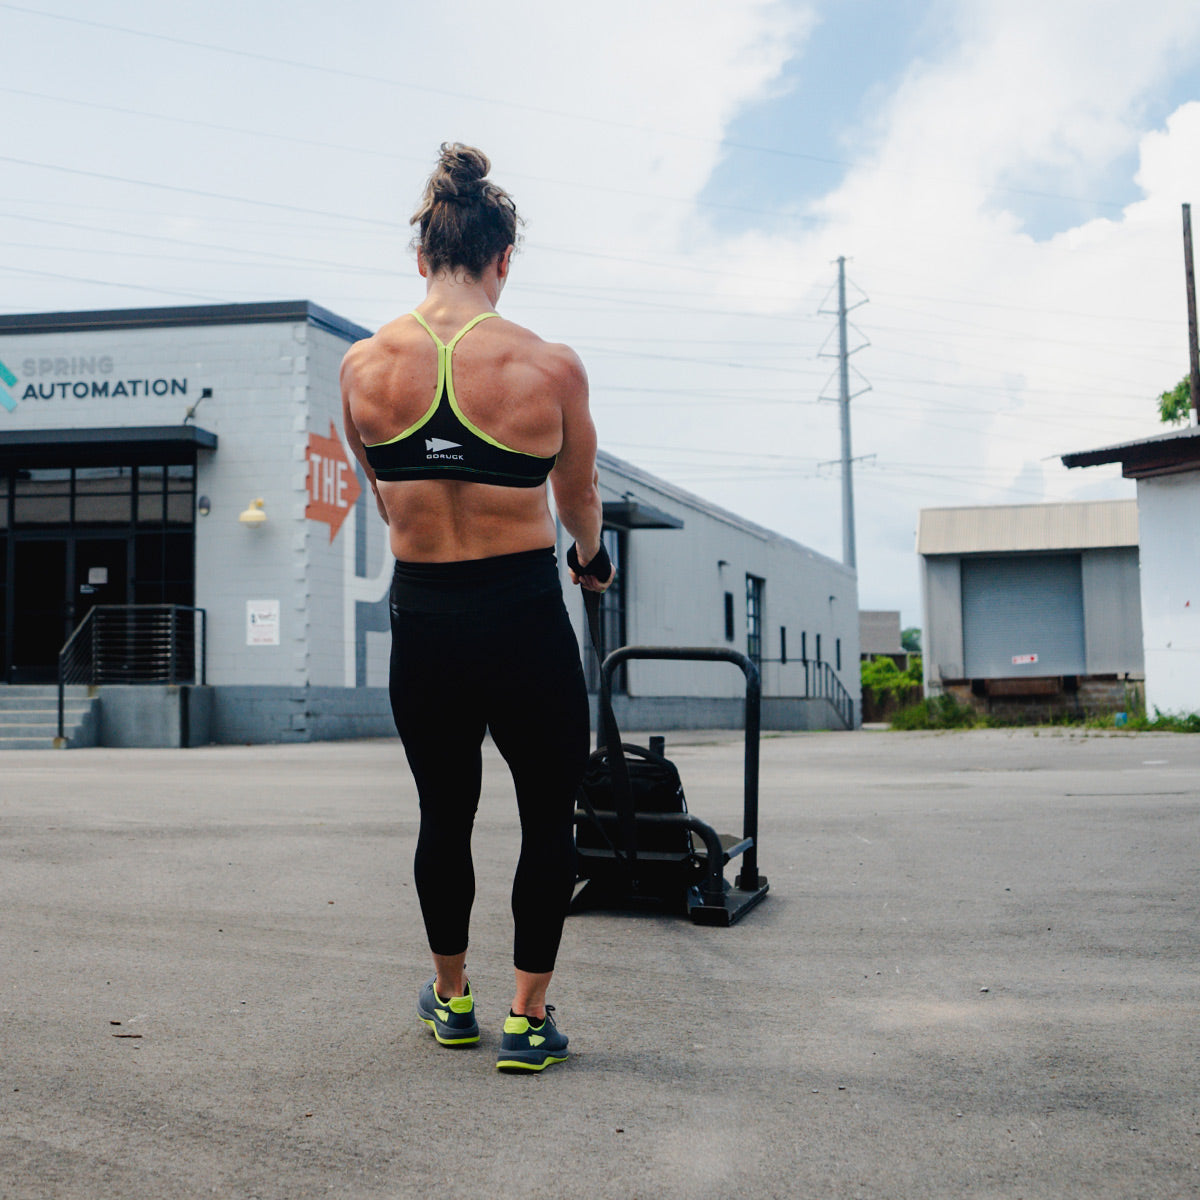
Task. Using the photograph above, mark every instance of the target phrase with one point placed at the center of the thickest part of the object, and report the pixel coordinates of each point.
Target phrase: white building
(1032, 604)
(1167, 470)
(133, 441)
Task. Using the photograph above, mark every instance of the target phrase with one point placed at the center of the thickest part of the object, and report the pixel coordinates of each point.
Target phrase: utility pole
(1193, 343)
(849, 556)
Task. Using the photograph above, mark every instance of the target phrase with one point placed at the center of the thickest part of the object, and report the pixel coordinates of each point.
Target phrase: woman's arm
(574, 477)
(351, 430)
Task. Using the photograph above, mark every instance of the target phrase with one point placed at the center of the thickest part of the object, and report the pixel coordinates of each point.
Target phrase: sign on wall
(332, 482)
(262, 622)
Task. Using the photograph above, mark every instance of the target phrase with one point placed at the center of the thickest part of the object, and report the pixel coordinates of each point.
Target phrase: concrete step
(29, 716)
(17, 697)
(71, 705)
(46, 728)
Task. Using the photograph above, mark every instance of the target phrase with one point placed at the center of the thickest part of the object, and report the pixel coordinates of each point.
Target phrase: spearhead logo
(10, 380)
(438, 448)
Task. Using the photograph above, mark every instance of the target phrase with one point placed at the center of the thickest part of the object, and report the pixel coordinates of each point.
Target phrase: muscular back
(509, 383)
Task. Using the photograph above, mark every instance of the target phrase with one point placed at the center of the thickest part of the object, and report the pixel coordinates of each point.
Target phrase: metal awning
(636, 514)
(1165, 454)
(128, 445)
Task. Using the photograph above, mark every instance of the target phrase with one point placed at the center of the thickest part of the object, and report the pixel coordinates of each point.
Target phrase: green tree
(910, 639)
(884, 678)
(1175, 406)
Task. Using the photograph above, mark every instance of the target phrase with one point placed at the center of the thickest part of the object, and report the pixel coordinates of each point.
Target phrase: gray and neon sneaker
(527, 1046)
(452, 1021)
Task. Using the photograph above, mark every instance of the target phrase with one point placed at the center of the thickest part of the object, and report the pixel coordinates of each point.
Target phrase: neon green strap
(447, 347)
(445, 376)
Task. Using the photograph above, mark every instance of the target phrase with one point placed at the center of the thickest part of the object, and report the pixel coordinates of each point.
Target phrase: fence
(134, 643)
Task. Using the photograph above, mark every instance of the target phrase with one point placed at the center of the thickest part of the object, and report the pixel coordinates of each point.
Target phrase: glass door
(75, 537)
(40, 621)
(101, 575)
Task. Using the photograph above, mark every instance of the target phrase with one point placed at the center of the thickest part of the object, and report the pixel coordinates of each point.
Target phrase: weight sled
(633, 850)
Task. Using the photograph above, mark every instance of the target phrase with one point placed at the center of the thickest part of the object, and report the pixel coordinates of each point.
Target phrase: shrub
(884, 678)
(1159, 723)
(939, 712)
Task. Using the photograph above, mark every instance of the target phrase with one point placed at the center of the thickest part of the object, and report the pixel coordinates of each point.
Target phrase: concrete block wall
(274, 714)
(330, 633)
(257, 374)
(149, 715)
(676, 585)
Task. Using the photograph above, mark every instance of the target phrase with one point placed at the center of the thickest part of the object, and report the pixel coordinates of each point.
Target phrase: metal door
(1023, 615)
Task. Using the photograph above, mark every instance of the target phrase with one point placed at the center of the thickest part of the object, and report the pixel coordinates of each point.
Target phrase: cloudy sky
(1003, 177)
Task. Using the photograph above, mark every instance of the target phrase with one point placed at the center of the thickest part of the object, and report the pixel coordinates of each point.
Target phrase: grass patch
(939, 712)
(944, 712)
(1140, 723)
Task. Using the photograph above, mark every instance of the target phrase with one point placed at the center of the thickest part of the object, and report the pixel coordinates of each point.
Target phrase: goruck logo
(9, 380)
(436, 450)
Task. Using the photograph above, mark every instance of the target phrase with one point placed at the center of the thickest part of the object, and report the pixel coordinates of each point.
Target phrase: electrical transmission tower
(844, 397)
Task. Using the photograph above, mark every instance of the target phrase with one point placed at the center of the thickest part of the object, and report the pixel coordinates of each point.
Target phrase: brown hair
(465, 220)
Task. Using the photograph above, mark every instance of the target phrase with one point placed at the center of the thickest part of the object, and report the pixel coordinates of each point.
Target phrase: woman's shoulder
(382, 346)
(554, 359)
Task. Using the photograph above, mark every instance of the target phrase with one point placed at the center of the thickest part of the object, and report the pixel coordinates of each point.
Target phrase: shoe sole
(516, 1064)
(469, 1040)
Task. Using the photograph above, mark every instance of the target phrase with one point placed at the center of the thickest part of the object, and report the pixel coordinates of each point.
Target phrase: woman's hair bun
(460, 172)
(465, 220)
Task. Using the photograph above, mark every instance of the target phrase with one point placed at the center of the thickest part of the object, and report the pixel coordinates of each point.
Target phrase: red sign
(332, 481)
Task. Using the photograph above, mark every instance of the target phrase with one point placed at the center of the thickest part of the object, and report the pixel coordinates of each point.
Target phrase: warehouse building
(1032, 609)
(1167, 470)
(176, 497)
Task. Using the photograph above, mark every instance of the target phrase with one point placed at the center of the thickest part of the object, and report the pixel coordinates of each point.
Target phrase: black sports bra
(448, 445)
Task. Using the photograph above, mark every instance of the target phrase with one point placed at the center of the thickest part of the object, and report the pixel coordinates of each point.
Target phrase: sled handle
(748, 877)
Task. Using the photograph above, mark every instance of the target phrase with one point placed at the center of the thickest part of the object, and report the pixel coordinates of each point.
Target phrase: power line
(91, 105)
(501, 102)
(171, 187)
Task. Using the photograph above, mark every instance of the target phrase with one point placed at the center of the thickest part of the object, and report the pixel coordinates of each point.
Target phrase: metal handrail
(132, 643)
(836, 693)
(822, 682)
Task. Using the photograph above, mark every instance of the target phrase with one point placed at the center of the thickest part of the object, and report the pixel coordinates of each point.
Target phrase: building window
(818, 649)
(838, 650)
(729, 617)
(804, 646)
(754, 618)
(783, 643)
(75, 537)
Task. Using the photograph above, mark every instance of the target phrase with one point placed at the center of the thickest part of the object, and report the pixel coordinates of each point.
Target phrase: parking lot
(975, 974)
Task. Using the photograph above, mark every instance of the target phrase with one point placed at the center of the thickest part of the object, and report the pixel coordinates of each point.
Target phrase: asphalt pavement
(975, 974)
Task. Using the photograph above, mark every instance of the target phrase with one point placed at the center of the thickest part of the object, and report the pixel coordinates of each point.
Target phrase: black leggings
(479, 645)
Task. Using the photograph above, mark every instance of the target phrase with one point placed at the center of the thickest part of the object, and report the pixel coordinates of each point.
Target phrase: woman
(459, 417)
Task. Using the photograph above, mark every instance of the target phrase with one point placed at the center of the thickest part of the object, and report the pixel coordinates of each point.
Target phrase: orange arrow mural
(332, 482)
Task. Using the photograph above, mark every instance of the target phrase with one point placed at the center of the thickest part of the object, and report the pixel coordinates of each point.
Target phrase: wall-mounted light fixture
(204, 506)
(253, 513)
(206, 394)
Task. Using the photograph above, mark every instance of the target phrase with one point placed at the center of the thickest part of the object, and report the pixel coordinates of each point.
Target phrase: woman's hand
(595, 573)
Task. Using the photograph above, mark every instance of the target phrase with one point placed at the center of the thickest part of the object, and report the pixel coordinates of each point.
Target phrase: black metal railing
(134, 643)
(821, 682)
(826, 684)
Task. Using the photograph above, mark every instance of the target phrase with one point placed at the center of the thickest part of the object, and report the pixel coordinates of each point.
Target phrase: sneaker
(452, 1021)
(526, 1046)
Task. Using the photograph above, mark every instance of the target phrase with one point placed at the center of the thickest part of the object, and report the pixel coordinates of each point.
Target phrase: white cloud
(991, 349)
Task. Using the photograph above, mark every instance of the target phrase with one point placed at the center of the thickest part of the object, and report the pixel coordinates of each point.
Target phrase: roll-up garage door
(1022, 615)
